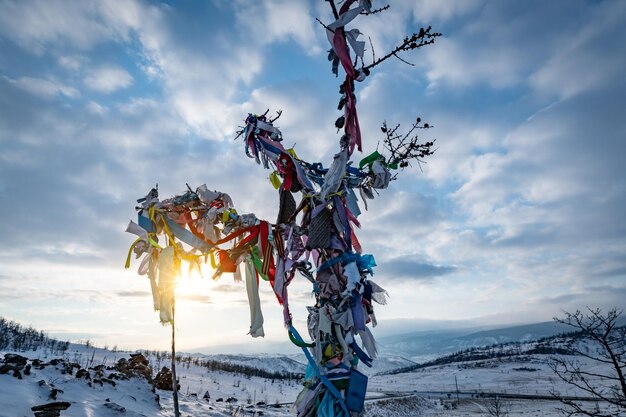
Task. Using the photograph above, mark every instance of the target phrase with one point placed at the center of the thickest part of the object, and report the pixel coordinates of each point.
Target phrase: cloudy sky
(518, 215)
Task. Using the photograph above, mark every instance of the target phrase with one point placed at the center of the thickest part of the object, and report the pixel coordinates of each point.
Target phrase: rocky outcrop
(15, 365)
(163, 380)
(72, 374)
(51, 409)
(124, 369)
(138, 365)
(83, 373)
(15, 359)
(115, 407)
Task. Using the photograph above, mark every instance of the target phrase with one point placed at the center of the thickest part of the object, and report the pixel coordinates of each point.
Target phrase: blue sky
(518, 215)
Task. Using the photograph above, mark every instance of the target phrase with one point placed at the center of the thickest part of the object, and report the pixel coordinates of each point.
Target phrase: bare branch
(576, 409)
(417, 40)
(278, 114)
(595, 358)
(405, 61)
(602, 376)
(382, 9)
(600, 328)
(497, 407)
(373, 53)
(325, 27)
(334, 8)
(404, 148)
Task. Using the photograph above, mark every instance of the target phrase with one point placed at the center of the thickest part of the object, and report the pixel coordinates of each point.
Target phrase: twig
(326, 27)
(406, 62)
(334, 8)
(382, 9)
(373, 53)
(417, 40)
(404, 148)
(278, 114)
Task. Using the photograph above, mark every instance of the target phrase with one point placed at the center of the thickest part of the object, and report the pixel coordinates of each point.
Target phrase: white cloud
(372, 89)
(202, 89)
(441, 10)
(452, 62)
(44, 88)
(37, 24)
(72, 63)
(96, 108)
(305, 119)
(136, 106)
(108, 79)
(278, 20)
(587, 59)
(536, 205)
(507, 44)
(207, 90)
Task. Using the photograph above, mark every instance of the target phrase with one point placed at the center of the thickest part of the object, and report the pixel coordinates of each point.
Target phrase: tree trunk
(174, 381)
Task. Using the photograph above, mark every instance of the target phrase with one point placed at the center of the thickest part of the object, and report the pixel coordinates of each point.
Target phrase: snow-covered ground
(509, 375)
(430, 391)
(54, 378)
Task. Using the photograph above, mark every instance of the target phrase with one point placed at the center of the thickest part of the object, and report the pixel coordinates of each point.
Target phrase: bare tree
(497, 407)
(602, 376)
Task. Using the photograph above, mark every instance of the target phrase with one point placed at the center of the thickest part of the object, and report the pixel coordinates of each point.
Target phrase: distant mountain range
(403, 349)
(429, 344)
(561, 344)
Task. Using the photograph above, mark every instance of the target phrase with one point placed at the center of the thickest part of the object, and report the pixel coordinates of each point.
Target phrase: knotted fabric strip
(252, 288)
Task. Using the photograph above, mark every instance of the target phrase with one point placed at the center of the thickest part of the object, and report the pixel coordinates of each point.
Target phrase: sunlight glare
(190, 283)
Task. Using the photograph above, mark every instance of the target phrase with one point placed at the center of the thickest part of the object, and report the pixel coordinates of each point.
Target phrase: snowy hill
(293, 364)
(426, 345)
(82, 380)
(568, 344)
(99, 383)
(65, 385)
(524, 333)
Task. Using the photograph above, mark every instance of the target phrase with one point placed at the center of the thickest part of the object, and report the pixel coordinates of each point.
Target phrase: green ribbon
(258, 263)
(373, 157)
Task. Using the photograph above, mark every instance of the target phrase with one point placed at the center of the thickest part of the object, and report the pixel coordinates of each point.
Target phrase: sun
(194, 283)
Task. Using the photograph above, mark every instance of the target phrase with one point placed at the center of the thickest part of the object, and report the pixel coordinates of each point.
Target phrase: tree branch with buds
(417, 40)
(403, 148)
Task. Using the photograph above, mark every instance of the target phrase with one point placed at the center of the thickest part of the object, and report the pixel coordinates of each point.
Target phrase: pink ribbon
(340, 45)
(352, 120)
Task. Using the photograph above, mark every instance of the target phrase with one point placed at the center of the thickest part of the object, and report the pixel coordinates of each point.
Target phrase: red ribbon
(286, 168)
(340, 45)
(269, 266)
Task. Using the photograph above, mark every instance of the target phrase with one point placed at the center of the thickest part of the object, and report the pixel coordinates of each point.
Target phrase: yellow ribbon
(130, 251)
(275, 179)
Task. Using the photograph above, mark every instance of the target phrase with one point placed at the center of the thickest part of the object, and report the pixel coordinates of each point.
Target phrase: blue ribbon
(360, 354)
(356, 305)
(271, 148)
(363, 262)
(355, 171)
(146, 223)
(329, 385)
